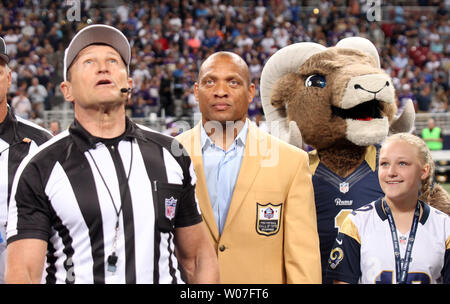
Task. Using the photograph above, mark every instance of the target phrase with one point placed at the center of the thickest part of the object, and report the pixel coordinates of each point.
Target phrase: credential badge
(268, 218)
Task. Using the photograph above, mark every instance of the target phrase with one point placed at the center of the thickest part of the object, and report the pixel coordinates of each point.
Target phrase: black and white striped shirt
(64, 194)
(13, 149)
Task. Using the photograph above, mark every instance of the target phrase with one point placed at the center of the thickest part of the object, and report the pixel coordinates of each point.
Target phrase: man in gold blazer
(266, 230)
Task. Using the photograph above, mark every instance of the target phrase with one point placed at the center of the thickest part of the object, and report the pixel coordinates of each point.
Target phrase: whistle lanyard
(402, 269)
(113, 257)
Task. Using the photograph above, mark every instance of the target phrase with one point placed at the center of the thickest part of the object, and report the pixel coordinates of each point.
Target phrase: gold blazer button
(222, 248)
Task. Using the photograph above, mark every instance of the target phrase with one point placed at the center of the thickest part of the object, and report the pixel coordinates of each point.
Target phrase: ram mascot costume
(339, 101)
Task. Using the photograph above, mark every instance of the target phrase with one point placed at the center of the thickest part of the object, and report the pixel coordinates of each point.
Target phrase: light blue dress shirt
(221, 172)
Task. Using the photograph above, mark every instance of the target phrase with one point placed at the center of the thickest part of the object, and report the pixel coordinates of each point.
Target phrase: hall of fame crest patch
(268, 218)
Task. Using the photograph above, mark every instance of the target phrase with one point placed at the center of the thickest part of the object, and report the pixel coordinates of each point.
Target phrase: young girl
(397, 239)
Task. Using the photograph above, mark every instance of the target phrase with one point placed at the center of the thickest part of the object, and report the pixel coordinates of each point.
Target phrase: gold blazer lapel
(201, 187)
(247, 173)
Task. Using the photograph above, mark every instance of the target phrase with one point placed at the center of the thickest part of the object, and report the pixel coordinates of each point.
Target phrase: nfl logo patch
(170, 206)
(344, 187)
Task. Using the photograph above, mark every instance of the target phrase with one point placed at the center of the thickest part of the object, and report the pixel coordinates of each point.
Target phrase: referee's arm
(25, 261)
(196, 254)
(28, 227)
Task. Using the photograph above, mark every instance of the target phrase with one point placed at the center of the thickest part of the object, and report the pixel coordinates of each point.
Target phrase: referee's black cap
(3, 55)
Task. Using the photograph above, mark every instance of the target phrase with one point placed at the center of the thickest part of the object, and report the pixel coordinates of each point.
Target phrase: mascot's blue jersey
(336, 197)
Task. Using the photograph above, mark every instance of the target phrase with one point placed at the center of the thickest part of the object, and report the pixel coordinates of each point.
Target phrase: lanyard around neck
(113, 257)
(402, 270)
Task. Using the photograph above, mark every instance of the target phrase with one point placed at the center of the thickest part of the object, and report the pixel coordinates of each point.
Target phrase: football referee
(105, 201)
(17, 138)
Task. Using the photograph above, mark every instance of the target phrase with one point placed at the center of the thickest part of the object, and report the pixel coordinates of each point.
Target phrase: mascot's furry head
(336, 95)
(337, 100)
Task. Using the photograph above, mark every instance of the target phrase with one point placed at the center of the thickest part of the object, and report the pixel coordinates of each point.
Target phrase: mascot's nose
(358, 87)
(367, 87)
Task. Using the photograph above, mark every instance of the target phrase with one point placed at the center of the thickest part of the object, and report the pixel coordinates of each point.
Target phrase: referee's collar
(86, 141)
(8, 126)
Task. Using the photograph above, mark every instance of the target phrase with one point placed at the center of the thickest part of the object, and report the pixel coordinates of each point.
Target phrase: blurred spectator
(190, 102)
(440, 103)
(255, 68)
(423, 98)
(21, 104)
(432, 135)
(140, 74)
(436, 45)
(212, 39)
(404, 95)
(400, 60)
(154, 93)
(268, 42)
(42, 76)
(244, 40)
(166, 94)
(37, 93)
(139, 108)
(11, 40)
(55, 127)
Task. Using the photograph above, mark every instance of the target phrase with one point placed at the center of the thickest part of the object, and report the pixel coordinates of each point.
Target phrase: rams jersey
(336, 197)
(364, 252)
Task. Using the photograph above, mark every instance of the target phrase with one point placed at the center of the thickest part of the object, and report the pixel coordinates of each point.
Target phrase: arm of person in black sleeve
(188, 212)
(28, 228)
(345, 256)
(194, 250)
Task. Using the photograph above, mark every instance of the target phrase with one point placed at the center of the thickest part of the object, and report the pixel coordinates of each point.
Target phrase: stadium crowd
(170, 38)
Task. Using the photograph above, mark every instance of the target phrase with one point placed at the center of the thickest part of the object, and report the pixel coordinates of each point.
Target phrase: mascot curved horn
(284, 61)
(360, 44)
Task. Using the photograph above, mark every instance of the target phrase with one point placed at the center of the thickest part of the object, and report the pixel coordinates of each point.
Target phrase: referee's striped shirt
(62, 194)
(13, 148)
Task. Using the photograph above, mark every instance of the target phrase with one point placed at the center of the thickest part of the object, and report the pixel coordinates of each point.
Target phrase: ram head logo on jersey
(170, 207)
(336, 257)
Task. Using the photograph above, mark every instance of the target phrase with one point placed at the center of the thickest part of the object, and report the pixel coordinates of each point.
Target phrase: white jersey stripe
(143, 211)
(66, 207)
(164, 274)
(60, 273)
(3, 186)
(173, 169)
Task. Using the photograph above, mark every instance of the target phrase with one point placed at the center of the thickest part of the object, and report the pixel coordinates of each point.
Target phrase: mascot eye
(316, 81)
